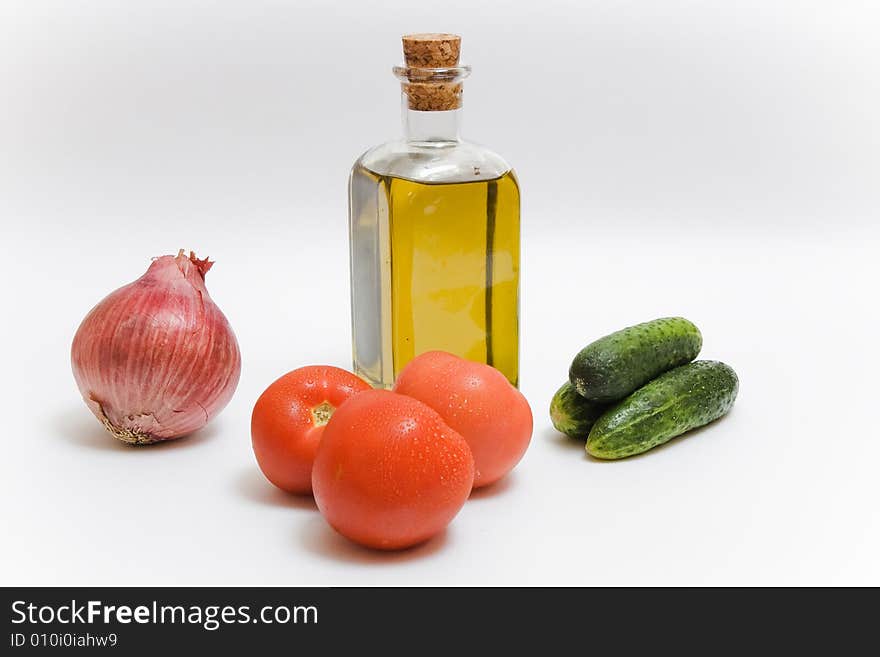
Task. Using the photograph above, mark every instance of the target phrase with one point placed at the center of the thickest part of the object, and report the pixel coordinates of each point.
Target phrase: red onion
(156, 359)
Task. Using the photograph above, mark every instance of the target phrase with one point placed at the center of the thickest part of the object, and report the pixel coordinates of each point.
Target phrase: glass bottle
(435, 232)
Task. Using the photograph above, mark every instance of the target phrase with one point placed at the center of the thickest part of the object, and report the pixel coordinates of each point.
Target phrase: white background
(716, 160)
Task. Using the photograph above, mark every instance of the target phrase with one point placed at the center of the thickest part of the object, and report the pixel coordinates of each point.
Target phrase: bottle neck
(431, 104)
(431, 128)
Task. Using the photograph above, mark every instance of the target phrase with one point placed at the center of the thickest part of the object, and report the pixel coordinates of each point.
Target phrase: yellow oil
(445, 276)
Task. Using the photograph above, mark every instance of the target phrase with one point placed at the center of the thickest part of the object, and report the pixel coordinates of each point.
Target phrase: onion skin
(157, 359)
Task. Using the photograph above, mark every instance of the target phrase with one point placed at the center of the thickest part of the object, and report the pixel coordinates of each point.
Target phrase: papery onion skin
(157, 359)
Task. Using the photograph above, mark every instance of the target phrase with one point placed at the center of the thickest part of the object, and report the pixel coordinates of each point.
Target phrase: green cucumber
(572, 414)
(675, 402)
(612, 367)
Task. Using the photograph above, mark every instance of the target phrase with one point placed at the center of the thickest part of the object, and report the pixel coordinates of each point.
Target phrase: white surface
(714, 160)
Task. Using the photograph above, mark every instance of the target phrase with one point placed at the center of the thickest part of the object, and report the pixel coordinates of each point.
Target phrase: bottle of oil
(435, 229)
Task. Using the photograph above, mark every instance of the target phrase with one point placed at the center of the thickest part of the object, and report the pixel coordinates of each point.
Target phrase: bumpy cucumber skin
(572, 414)
(612, 367)
(675, 402)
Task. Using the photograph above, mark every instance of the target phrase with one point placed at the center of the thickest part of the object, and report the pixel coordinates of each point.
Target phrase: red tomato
(289, 419)
(389, 473)
(479, 403)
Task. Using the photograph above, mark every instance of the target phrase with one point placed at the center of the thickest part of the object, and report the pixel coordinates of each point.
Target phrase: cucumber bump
(612, 367)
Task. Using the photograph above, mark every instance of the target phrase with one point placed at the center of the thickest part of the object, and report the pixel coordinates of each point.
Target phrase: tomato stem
(322, 413)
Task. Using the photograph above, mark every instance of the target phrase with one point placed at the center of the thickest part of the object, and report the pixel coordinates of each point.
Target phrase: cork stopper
(428, 90)
(431, 50)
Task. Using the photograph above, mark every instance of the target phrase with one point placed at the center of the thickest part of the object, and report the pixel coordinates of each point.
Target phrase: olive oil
(434, 224)
(445, 272)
